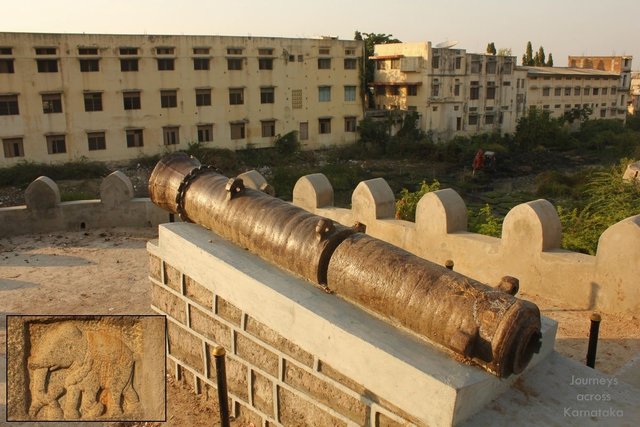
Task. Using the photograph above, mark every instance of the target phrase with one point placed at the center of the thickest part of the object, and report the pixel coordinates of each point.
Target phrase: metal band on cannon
(485, 325)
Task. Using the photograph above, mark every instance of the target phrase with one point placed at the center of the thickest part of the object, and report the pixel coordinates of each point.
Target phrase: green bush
(408, 202)
(287, 144)
(24, 173)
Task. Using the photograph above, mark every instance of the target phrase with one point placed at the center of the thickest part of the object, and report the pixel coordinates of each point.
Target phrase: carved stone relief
(85, 368)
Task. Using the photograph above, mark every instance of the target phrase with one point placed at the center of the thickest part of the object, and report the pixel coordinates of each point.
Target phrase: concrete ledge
(409, 373)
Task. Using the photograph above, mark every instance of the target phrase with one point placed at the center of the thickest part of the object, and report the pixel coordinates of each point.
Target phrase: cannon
(477, 323)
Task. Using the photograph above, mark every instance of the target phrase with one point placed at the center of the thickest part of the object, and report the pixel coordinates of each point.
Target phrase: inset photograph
(86, 368)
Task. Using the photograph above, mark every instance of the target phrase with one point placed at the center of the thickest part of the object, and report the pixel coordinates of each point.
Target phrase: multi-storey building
(114, 97)
(620, 65)
(559, 90)
(454, 92)
(634, 106)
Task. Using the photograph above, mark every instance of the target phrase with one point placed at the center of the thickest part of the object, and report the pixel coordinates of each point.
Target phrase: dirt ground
(105, 272)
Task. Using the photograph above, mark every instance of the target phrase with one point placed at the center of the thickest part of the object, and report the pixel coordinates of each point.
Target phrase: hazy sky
(563, 27)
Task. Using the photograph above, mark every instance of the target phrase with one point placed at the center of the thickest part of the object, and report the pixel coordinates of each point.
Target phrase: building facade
(454, 92)
(116, 97)
(620, 65)
(634, 93)
(559, 90)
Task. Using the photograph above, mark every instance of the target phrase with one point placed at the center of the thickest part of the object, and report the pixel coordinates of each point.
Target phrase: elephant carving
(80, 374)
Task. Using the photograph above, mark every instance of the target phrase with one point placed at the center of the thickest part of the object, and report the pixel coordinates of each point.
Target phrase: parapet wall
(44, 212)
(529, 248)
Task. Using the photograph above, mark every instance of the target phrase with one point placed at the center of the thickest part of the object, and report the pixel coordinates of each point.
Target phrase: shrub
(408, 202)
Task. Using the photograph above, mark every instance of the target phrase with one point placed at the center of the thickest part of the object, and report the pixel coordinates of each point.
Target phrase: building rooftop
(565, 71)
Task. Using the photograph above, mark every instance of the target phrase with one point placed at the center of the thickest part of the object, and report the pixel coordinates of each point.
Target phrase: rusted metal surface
(278, 231)
(484, 325)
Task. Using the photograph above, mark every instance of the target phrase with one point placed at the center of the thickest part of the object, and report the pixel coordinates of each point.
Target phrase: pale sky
(563, 27)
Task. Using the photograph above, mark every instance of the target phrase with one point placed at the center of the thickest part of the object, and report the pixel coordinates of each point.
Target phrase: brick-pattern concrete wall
(271, 380)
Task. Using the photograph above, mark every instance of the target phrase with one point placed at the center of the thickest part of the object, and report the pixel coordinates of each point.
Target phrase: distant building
(115, 97)
(558, 90)
(634, 106)
(454, 92)
(621, 65)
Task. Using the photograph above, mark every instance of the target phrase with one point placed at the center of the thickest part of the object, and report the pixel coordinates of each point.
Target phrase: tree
(550, 60)
(527, 59)
(536, 60)
(370, 40)
(541, 56)
(538, 128)
(491, 48)
(504, 51)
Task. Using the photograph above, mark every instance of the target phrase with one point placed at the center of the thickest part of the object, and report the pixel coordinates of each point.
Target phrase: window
(296, 99)
(381, 65)
(93, 101)
(268, 128)
(56, 144)
(165, 50)
(349, 93)
(546, 91)
(234, 51)
(324, 93)
(87, 51)
(47, 65)
(458, 62)
(604, 90)
(567, 91)
(596, 90)
(9, 105)
(237, 130)
(324, 63)
(476, 67)
(236, 96)
(51, 103)
(381, 90)
(89, 65)
(134, 138)
(130, 64)
(491, 67)
(267, 95)
(6, 51)
(168, 98)
(96, 141)
(395, 64)
(576, 91)
(324, 125)
(131, 100)
(300, 58)
(507, 68)
(435, 62)
(613, 90)
(170, 135)
(128, 51)
(412, 90)
(603, 112)
(265, 51)
(350, 124)
(350, 63)
(203, 97)
(265, 63)
(46, 50)
(200, 50)
(234, 63)
(473, 119)
(393, 90)
(557, 91)
(474, 91)
(324, 51)
(13, 147)
(491, 90)
(166, 64)
(349, 51)
(304, 131)
(201, 63)
(587, 91)
(435, 88)
(6, 66)
(205, 133)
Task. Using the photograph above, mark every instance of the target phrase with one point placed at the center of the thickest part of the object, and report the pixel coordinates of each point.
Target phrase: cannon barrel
(484, 325)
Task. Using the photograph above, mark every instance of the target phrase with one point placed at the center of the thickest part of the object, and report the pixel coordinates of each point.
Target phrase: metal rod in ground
(221, 377)
(593, 340)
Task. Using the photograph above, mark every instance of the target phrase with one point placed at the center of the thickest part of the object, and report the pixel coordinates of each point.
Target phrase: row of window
(170, 50)
(475, 66)
(52, 102)
(577, 90)
(56, 144)
(164, 64)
